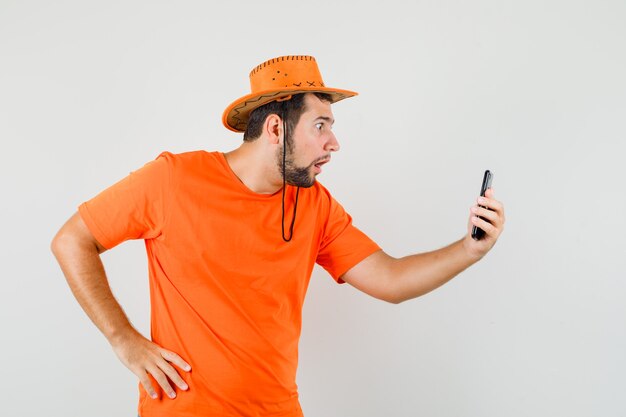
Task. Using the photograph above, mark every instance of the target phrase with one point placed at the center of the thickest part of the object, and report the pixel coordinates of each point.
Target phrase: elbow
(74, 236)
(402, 292)
(55, 244)
(401, 289)
(394, 299)
(59, 243)
(392, 296)
(65, 242)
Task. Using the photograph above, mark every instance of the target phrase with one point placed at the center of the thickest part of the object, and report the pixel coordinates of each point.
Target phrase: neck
(255, 167)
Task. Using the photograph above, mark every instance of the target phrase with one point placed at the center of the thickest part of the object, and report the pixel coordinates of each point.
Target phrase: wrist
(122, 335)
(469, 248)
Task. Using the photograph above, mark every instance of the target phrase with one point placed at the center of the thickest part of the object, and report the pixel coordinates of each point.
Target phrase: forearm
(78, 254)
(416, 275)
(83, 269)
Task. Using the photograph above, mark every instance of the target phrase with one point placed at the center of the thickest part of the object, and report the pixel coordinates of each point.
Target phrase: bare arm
(400, 279)
(78, 254)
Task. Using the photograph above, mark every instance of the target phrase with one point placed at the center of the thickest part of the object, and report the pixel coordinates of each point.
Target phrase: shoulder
(187, 157)
(188, 161)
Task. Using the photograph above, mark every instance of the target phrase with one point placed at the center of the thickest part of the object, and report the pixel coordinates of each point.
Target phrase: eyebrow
(326, 118)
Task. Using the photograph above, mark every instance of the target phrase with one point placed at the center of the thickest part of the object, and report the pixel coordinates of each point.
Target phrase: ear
(273, 128)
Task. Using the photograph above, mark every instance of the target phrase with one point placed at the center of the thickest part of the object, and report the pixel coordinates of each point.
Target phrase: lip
(323, 161)
(318, 166)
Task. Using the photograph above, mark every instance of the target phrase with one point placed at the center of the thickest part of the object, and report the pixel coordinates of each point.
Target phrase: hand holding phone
(477, 232)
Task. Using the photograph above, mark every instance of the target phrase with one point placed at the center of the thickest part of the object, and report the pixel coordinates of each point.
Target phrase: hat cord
(293, 220)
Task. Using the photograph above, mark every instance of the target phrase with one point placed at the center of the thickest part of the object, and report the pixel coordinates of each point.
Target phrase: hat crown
(290, 71)
(278, 79)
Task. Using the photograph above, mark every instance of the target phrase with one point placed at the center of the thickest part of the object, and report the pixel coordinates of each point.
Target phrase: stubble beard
(294, 175)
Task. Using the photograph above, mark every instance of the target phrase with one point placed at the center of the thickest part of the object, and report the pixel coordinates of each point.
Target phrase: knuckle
(163, 382)
(180, 382)
(171, 357)
(157, 374)
(176, 378)
(167, 372)
(171, 373)
(164, 364)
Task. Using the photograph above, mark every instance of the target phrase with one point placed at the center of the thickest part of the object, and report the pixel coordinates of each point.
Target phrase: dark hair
(290, 109)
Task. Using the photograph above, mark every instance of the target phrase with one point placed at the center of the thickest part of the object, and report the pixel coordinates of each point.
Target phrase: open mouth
(318, 166)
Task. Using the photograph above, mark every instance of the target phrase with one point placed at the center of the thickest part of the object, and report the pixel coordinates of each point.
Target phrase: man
(232, 240)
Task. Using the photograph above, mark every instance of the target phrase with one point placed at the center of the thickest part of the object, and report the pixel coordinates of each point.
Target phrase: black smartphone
(477, 232)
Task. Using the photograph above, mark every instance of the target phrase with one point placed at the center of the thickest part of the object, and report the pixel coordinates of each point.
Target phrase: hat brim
(236, 115)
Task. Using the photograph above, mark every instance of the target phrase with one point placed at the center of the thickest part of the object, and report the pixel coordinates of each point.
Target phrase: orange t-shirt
(226, 290)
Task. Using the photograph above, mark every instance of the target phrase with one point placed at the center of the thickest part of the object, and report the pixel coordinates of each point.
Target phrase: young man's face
(310, 145)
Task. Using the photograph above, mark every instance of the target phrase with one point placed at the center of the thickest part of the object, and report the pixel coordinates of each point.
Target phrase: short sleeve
(343, 245)
(133, 208)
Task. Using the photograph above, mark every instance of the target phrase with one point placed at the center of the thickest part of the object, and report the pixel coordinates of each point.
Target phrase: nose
(332, 144)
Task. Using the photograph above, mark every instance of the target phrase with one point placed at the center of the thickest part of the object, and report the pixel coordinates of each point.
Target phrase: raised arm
(78, 254)
(400, 279)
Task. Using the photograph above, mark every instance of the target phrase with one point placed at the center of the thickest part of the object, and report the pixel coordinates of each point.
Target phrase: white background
(533, 90)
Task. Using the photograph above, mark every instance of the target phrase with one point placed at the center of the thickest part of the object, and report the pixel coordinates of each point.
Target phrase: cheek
(307, 148)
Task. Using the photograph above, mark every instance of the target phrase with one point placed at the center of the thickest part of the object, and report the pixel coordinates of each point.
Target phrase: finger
(489, 229)
(147, 385)
(175, 359)
(489, 193)
(172, 374)
(492, 216)
(490, 203)
(162, 381)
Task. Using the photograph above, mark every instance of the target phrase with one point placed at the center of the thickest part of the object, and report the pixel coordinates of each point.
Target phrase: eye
(318, 126)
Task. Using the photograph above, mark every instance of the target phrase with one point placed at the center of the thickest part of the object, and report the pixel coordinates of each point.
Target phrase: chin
(310, 183)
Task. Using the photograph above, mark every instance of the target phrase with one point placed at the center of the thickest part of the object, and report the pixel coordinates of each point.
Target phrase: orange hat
(276, 80)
